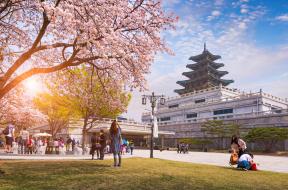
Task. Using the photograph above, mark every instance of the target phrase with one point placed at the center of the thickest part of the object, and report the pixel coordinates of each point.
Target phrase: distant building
(205, 97)
(204, 74)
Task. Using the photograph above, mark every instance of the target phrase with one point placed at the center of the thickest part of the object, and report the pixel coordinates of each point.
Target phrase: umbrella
(42, 135)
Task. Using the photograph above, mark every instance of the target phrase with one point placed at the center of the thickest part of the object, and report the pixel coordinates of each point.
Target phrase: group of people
(98, 145)
(127, 147)
(240, 155)
(182, 148)
(71, 143)
(27, 145)
(117, 145)
(24, 143)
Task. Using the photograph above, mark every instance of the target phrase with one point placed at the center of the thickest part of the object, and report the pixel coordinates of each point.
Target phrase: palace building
(204, 74)
(206, 97)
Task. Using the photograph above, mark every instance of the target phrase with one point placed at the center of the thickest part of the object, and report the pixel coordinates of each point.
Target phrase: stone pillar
(176, 142)
(162, 141)
(285, 145)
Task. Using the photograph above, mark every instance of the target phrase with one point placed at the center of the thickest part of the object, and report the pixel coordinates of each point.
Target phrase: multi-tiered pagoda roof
(204, 73)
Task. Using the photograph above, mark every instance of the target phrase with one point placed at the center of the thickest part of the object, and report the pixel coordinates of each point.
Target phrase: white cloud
(213, 15)
(216, 13)
(282, 17)
(244, 11)
(242, 25)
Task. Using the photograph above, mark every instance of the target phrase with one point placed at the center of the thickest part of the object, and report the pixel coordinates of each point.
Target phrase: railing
(243, 96)
(132, 124)
(227, 116)
(229, 90)
(205, 90)
(211, 102)
(274, 97)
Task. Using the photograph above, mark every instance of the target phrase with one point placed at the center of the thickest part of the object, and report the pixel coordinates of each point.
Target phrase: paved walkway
(269, 163)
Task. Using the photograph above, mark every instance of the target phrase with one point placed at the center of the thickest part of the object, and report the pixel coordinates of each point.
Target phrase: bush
(267, 136)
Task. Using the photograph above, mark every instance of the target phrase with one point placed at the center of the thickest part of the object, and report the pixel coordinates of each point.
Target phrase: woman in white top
(238, 145)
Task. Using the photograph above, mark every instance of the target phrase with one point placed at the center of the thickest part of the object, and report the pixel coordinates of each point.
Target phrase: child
(245, 161)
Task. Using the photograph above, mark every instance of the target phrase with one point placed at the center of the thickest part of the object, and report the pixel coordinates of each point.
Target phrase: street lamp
(153, 100)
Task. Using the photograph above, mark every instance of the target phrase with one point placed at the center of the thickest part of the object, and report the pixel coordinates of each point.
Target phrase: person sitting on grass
(245, 161)
(238, 145)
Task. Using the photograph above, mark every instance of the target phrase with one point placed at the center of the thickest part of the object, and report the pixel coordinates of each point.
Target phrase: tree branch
(34, 71)
(25, 56)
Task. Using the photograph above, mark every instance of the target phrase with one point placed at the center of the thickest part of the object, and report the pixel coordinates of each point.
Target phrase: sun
(33, 86)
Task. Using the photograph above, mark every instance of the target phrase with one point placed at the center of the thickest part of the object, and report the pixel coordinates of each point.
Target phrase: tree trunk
(84, 133)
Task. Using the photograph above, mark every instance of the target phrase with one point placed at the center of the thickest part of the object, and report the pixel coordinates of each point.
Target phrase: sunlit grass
(136, 173)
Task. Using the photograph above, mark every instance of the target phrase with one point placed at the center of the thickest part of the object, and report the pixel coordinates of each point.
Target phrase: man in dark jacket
(94, 145)
(102, 142)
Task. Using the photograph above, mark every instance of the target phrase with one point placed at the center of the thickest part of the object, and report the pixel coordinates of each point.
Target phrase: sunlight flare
(33, 86)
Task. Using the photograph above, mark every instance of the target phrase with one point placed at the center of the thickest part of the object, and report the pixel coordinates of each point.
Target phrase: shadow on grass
(2, 172)
(237, 169)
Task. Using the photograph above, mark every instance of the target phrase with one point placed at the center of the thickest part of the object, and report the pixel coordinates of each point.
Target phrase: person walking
(9, 136)
(94, 145)
(116, 141)
(73, 144)
(24, 134)
(68, 143)
(178, 147)
(131, 144)
(56, 145)
(102, 142)
(30, 145)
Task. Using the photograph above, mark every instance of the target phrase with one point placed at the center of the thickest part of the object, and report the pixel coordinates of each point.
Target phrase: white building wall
(217, 99)
(274, 103)
(205, 114)
(242, 110)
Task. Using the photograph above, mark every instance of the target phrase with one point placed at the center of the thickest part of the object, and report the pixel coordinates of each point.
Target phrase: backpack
(254, 167)
(29, 142)
(6, 131)
(233, 158)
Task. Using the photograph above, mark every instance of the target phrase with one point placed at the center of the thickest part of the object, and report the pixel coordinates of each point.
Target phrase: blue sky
(250, 35)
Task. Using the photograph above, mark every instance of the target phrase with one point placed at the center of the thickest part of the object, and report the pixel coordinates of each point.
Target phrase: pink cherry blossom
(118, 37)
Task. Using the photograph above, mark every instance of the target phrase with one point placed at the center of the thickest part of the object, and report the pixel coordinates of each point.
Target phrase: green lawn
(136, 173)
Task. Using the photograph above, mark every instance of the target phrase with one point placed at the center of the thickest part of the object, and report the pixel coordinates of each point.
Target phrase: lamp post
(153, 100)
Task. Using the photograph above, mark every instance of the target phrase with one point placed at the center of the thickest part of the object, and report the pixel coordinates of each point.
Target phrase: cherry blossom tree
(87, 98)
(56, 108)
(118, 37)
(17, 108)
